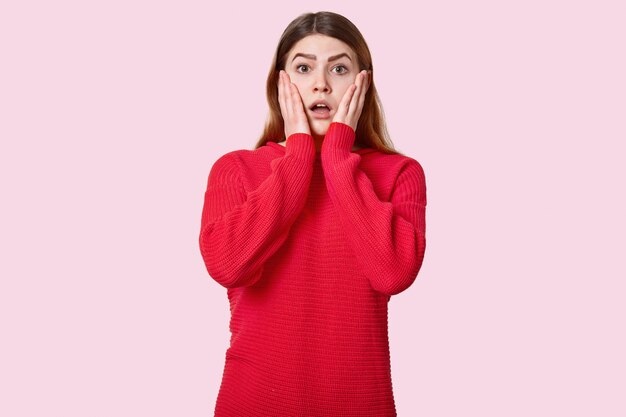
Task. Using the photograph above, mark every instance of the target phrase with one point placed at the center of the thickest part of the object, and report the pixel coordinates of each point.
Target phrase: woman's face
(322, 68)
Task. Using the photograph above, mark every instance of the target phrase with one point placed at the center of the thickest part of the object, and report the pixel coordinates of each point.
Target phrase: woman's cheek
(295, 78)
(342, 90)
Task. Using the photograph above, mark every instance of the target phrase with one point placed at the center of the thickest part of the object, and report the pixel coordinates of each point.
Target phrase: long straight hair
(371, 131)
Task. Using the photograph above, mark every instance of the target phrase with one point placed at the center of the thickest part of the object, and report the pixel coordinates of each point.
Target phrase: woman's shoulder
(246, 161)
(267, 151)
(390, 164)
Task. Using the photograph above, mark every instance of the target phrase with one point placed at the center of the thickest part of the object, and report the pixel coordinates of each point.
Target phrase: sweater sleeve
(388, 237)
(240, 230)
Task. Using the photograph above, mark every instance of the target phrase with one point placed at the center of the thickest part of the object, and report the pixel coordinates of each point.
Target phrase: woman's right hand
(291, 106)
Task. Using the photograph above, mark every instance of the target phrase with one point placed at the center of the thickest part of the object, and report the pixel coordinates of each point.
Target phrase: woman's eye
(344, 69)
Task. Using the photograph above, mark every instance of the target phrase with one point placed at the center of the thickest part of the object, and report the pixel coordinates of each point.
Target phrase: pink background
(112, 114)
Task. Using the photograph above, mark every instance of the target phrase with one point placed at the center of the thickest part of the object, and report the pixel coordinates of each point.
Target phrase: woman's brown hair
(371, 131)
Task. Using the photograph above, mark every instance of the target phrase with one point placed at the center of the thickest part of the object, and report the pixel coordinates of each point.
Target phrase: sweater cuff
(300, 145)
(339, 140)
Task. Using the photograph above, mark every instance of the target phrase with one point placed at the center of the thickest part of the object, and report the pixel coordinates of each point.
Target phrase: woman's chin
(319, 126)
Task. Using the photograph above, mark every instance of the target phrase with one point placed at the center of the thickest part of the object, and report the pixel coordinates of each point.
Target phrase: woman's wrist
(300, 145)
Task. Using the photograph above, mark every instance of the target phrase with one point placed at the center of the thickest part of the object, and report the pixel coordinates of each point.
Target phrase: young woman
(311, 233)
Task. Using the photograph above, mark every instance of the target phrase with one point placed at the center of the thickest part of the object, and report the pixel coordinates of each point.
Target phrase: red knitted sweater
(311, 246)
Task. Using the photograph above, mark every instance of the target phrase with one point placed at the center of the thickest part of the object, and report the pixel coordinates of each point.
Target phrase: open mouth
(321, 108)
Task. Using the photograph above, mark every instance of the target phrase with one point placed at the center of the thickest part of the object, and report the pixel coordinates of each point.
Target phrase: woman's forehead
(321, 47)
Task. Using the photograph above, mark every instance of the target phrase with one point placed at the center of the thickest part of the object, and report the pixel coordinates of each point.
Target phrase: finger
(355, 97)
(290, 101)
(287, 111)
(297, 100)
(284, 94)
(368, 81)
(289, 93)
(360, 100)
(364, 86)
(342, 111)
(286, 82)
(281, 91)
(364, 93)
(298, 116)
(298, 104)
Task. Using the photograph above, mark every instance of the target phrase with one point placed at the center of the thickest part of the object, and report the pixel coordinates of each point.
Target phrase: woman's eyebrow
(313, 57)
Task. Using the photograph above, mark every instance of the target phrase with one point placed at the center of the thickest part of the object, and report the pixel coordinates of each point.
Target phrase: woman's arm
(239, 231)
(388, 238)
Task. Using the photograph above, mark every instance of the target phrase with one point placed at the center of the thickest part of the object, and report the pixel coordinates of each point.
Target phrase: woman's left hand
(351, 104)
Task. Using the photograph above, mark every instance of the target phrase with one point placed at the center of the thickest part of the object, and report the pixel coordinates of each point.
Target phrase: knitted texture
(310, 247)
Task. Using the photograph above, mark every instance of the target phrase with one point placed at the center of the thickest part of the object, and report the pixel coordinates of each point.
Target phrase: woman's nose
(321, 84)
